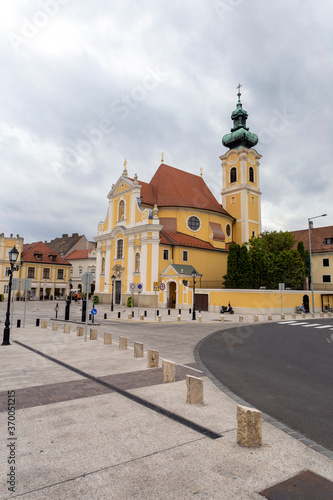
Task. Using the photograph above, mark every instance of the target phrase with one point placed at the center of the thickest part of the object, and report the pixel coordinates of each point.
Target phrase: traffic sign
(156, 286)
(162, 286)
(132, 287)
(140, 287)
(26, 284)
(87, 278)
(93, 312)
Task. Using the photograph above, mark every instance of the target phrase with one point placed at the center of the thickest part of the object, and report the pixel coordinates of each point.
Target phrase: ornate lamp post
(113, 278)
(13, 254)
(194, 275)
(310, 223)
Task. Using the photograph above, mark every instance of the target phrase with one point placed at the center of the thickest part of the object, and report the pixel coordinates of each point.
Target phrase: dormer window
(38, 256)
(53, 258)
(329, 241)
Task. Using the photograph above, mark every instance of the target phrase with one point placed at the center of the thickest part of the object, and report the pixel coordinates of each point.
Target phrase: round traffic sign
(162, 286)
(132, 286)
(93, 312)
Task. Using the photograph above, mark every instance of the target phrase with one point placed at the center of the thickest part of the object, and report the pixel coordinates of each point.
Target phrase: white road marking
(323, 326)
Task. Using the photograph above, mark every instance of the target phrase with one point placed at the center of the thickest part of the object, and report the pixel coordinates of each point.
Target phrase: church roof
(185, 240)
(240, 135)
(171, 187)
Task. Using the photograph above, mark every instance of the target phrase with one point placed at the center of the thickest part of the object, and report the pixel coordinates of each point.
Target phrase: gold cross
(162, 159)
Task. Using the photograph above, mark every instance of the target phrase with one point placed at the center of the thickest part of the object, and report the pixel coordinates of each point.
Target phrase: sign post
(26, 287)
(156, 289)
(132, 288)
(87, 279)
(15, 286)
(281, 287)
(140, 288)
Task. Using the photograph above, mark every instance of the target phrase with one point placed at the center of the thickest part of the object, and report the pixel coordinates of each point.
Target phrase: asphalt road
(283, 369)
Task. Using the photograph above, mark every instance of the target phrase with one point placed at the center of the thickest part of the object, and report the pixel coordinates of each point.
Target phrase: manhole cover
(304, 486)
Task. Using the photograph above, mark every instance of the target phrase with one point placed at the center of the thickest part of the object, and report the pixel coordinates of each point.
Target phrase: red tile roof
(171, 187)
(30, 250)
(318, 238)
(181, 239)
(79, 254)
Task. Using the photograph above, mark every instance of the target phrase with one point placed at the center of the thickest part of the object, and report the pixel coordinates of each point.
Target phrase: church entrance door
(118, 292)
(172, 299)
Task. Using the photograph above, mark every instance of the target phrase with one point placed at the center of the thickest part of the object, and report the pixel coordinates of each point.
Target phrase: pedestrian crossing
(306, 324)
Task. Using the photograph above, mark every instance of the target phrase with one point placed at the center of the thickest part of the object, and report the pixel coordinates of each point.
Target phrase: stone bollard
(194, 390)
(44, 323)
(312, 315)
(123, 343)
(222, 318)
(138, 350)
(293, 316)
(321, 315)
(249, 431)
(303, 316)
(67, 328)
(269, 317)
(153, 358)
(129, 316)
(169, 371)
(80, 331)
(256, 317)
(93, 334)
(159, 318)
(283, 316)
(54, 327)
(329, 314)
(107, 338)
(200, 318)
(240, 318)
(142, 317)
(179, 318)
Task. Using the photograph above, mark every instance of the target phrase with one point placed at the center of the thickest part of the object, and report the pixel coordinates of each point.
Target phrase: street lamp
(113, 280)
(194, 275)
(70, 290)
(310, 223)
(13, 254)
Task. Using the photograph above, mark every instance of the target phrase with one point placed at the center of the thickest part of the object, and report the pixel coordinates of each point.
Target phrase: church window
(233, 174)
(233, 200)
(253, 200)
(253, 234)
(120, 247)
(103, 265)
(251, 174)
(137, 262)
(165, 254)
(228, 230)
(193, 223)
(121, 210)
(185, 255)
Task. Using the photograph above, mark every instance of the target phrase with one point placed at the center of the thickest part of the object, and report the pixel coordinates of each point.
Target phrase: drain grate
(305, 486)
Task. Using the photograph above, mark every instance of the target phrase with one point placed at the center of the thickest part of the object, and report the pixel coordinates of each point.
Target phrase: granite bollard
(194, 390)
(54, 327)
(249, 432)
(43, 323)
(256, 317)
(123, 343)
(93, 334)
(169, 371)
(240, 318)
(222, 318)
(138, 350)
(107, 338)
(67, 328)
(269, 317)
(283, 316)
(80, 331)
(153, 358)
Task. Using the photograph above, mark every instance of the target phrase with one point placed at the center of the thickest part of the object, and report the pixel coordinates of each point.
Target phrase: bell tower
(241, 195)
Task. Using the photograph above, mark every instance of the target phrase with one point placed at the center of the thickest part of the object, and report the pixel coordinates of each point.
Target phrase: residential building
(68, 244)
(82, 261)
(6, 244)
(50, 273)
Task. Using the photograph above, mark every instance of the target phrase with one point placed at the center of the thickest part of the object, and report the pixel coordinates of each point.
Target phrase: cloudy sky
(86, 84)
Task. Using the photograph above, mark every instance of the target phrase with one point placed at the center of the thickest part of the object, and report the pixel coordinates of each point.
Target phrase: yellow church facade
(166, 230)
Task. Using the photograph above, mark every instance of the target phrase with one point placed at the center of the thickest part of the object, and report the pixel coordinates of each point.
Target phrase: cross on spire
(239, 92)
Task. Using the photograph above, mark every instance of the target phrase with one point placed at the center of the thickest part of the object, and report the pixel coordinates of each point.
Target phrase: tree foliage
(266, 261)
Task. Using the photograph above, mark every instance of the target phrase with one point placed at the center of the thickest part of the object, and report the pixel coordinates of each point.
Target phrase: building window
(251, 174)
(253, 200)
(228, 230)
(185, 255)
(120, 247)
(233, 200)
(326, 278)
(137, 262)
(121, 210)
(72, 272)
(6, 289)
(326, 262)
(31, 272)
(165, 254)
(80, 271)
(253, 234)
(60, 275)
(7, 271)
(233, 175)
(329, 241)
(46, 273)
(53, 258)
(193, 223)
(92, 270)
(38, 256)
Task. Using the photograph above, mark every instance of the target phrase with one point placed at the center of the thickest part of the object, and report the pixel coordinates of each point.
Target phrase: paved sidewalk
(92, 421)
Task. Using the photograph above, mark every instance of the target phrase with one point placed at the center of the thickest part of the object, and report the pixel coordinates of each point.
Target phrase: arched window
(137, 262)
(120, 247)
(233, 174)
(121, 210)
(251, 174)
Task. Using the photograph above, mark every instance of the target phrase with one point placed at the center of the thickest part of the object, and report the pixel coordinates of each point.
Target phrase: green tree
(244, 268)
(232, 276)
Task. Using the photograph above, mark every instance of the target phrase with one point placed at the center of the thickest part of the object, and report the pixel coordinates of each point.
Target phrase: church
(164, 234)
